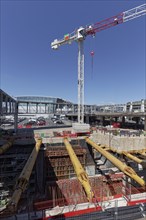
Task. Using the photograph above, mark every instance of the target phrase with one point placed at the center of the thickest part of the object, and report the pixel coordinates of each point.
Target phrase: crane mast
(81, 82)
(79, 36)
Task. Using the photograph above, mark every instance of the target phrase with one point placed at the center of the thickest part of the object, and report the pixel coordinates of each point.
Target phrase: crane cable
(92, 55)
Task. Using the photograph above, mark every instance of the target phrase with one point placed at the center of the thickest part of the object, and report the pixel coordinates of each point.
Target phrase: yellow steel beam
(127, 154)
(105, 147)
(6, 146)
(134, 158)
(142, 153)
(79, 170)
(123, 167)
(24, 177)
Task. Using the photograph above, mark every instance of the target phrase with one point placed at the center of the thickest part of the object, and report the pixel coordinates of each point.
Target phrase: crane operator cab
(81, 34)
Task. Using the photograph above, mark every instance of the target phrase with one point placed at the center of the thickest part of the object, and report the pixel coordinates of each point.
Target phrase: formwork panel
(58, 163)
(71, 192)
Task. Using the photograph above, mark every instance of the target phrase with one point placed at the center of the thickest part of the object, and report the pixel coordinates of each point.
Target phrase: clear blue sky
(30, 67)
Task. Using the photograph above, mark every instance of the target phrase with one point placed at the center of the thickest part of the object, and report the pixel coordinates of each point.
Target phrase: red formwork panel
(71, 192)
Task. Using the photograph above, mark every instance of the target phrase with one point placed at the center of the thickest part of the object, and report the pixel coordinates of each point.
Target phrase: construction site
(58, 174)
(78, 171)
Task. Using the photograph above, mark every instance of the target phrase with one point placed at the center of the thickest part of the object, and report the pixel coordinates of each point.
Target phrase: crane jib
(104, 24)
(134, 13)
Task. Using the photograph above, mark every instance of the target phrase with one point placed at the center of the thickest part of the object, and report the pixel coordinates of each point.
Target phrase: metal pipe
(79, 170)
(6, 146)
(123, 167)
(130, 156)
(24, 177)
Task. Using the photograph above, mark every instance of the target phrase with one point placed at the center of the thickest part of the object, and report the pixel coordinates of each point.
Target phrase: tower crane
(80, 35)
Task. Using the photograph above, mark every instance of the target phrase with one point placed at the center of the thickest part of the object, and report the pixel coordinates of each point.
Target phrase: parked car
(30, 123)
(41, 123)
(58, 122)
(40, 119)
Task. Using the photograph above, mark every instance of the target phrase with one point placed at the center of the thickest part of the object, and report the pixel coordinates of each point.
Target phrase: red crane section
(104, 24)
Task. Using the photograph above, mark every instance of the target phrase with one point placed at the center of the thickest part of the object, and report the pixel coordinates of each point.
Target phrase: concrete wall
(120, 143)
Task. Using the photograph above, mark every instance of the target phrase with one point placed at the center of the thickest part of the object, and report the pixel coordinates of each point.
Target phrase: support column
(6, 106)
(87, 119)
(137, 122)
(116, 119)
(145, 124)
(142, 105)
(1, 102)
(36, 107)
(16, 117)
(27, 108)
(123, 121)
(13, 107)
(10, 106)
(73, 109)
(102, 120)
(45, 108)
(54, 108)
(111, 120)
(131, 107)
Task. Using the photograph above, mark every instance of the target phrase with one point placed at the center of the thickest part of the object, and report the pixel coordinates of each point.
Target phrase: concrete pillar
(130, 109)
(45, 108)
(10, 106)
(13, 107)
(73, 109)
(111, 120)
(54, 108)
(125, 108)
(116, 119)
(6, 102)
(103, 120)
(37, 108)
(87, 119)
(137, 122)
(16, 117)
(123, 120)
(1, 102)
(142, 105)
(145, 124)
(27, 108)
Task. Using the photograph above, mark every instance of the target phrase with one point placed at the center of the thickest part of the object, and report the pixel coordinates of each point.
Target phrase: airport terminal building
(39, 104)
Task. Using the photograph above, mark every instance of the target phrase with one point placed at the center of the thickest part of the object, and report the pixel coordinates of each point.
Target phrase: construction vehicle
(80, 35)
